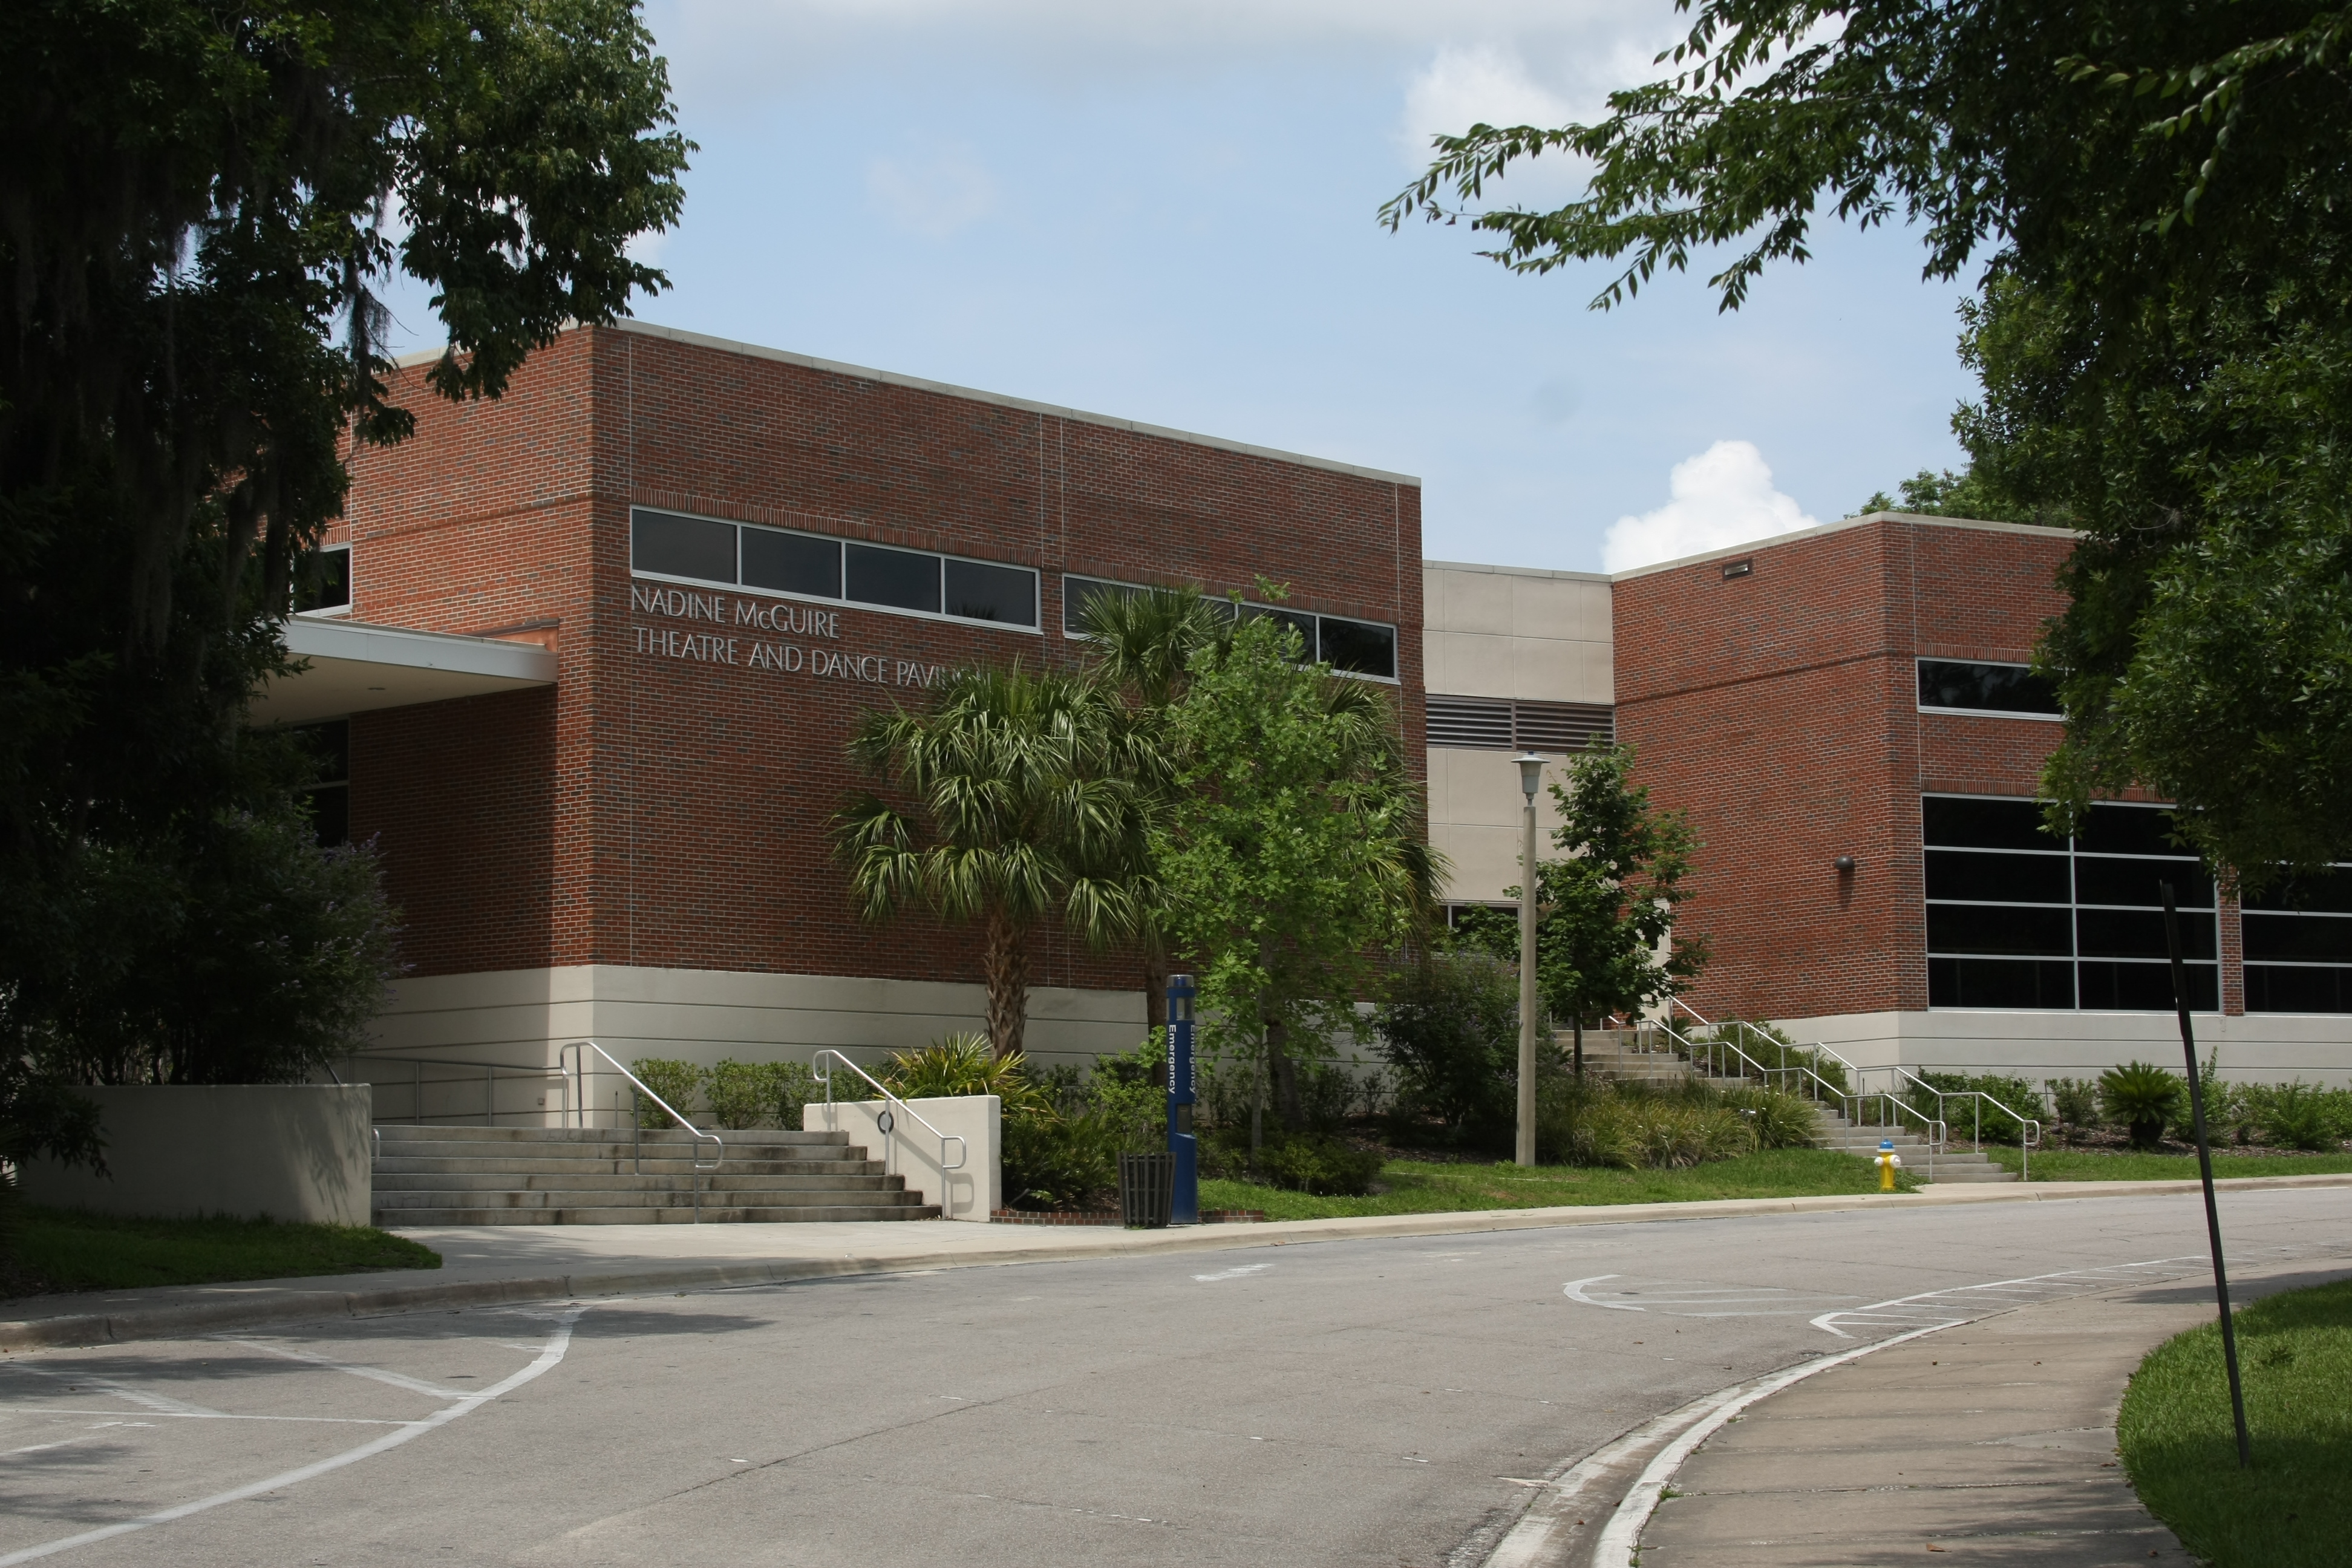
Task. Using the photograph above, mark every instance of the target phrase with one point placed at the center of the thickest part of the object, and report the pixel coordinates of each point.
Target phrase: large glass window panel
(1361, 648)
(1993, 928)
(2112, 985)
(2139, 933)
(902, 579)
(791, 563)
(2309, 939)
(1077, 593)
(2111, 829)
(324, 580)
(2107, 880)
(2298, 988)
(1983, 877)
(1985, 824)
(678, 546)
(978, 591)
(1991, 688)
(2327, 891)
(1999, 983)
(1303, 624)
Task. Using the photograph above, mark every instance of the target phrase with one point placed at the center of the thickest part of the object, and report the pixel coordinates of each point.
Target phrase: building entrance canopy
(350, 666)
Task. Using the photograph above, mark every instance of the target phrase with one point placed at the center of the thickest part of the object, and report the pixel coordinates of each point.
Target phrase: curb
(294, 1305)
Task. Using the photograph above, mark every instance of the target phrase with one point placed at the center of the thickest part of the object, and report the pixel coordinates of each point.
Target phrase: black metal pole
(2205, 1169)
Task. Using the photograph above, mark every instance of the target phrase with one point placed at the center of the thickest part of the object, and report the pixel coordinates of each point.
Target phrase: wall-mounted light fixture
(1739, 569)
(1844, 864)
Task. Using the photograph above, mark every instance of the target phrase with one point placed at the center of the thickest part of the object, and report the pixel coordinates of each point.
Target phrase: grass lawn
(69, 1249)
(1414, 1187)
(2292, 1509)
(2099, 1165)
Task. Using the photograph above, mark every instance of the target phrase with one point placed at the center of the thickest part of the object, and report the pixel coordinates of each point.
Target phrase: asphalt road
(1348, 1402)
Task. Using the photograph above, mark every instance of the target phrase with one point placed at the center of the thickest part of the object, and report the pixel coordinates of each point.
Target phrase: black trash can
(1147, 1187)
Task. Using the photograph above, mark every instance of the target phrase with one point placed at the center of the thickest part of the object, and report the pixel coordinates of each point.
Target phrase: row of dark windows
(816, 566)
(1358, 648)
(1985, 688)
(2018, 917)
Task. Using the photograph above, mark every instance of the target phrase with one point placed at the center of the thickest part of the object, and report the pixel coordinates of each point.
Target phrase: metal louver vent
(1564, 726)
(1497, 724)
(1470, 723)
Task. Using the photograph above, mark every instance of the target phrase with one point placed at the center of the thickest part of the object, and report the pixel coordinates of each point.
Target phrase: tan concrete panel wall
(293, 1151)
(972, 1191)
(1494, 631)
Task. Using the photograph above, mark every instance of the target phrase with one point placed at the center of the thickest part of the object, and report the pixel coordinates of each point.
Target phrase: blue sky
(1165, 212)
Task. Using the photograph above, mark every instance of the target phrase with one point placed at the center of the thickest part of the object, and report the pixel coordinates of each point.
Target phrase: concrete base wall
(971, 1192)
(523, 1018)
(292, 1151)
(2257, 1047)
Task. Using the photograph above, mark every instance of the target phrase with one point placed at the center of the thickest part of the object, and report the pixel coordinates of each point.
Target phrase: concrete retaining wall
(971, 1192)
(293, 1151)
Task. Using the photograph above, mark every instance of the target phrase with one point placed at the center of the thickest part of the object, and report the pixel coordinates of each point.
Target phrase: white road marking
(558, 1342)
(1234, 1273)
(413, 1384)
(1953, 1303)
(157, 1401)
(1574, 1292)
(206, 1416)
(1680, 1301)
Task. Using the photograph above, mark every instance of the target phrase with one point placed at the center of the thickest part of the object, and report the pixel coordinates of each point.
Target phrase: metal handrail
(1711, 1045)
(1818, 1048)
(2029, 1128)
(637, 1156)
(964, 1149)
(490, 1071)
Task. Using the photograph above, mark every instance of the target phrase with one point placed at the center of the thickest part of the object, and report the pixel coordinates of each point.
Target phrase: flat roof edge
(366, 642)
(1001, 400)
(1547, 572)
(1732, 551)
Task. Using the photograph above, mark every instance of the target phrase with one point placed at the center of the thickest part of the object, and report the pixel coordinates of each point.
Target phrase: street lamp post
(1530, 775)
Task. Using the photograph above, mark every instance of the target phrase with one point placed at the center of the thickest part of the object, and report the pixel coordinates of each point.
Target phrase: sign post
(1185, 1206)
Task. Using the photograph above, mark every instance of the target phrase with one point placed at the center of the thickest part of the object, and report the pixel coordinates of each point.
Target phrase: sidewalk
(486, 1265)
(1992, 1443)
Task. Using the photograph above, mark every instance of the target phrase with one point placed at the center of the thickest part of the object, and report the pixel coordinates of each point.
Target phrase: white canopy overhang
(350, 666)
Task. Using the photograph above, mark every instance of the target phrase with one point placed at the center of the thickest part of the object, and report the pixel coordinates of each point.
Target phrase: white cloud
(1724, 496)
(933, 194)
(1466, 87)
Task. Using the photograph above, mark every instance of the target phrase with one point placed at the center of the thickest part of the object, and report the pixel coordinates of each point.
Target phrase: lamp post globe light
(1531, 776)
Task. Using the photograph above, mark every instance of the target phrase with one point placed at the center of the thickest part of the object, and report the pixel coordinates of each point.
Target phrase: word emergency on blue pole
(1185, 1208)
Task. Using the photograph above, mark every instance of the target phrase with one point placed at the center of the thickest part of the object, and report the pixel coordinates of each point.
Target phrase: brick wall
(663, 811)
(1780, 709)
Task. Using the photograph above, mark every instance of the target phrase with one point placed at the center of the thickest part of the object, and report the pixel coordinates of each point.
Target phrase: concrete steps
(554, 1176)
(1951, 1164)
(1614, 1056)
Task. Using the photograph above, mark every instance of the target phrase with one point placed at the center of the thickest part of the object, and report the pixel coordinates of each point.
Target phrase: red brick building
(729, 553)
(1847, 717)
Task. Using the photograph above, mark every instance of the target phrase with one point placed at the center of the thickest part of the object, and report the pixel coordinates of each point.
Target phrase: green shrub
(1967, 1115)
(1318, 1163)
(2141, 1096)
(2075, 1101)
(1777, 1121)
(680, 1083)
(1450, 1031)
(745, 1094)
(1770, 1047)
(965, 1064)
(1127, 1093)
(2296, 1116)
(1636, 1127)
(1052, 1162)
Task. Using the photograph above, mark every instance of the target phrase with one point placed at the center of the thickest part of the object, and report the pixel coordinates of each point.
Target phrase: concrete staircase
(551, 1175)
(1613, 1055)
(1952, 1164)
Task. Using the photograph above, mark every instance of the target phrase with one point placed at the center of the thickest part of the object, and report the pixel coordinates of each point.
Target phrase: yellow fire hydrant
(1889, 1162)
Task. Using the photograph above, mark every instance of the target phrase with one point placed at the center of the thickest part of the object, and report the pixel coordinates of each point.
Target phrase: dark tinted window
(791, 563)
(1991, 688)
(2284, 988)
(2329, 891)
(2298, 937)
(2139, 933)
(2101, 881)
(2129, 830)
(2146, 987)
(1998, 879)
(682, 546)
(1998, 983)
(329, 799)
(1077, 593)
(325, 581)
(1359, 646)
(1985, 928)
(1303, 624)
(904, 579)
(1985, 824)
(980, 593)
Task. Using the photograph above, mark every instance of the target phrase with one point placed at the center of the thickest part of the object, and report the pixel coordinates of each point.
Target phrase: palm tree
(1143, 644)
(1010, 809)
